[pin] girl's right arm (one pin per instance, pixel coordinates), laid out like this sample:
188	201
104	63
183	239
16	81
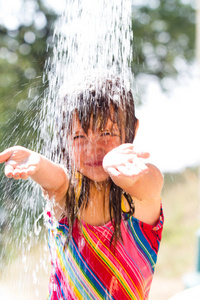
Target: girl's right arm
21	163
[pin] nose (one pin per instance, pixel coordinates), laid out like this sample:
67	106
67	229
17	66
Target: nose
92	139
93	147
92	136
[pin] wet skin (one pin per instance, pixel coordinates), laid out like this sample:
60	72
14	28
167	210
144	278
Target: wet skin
88	150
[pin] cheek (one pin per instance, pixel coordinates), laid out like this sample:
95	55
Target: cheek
74	156
112	145
78	159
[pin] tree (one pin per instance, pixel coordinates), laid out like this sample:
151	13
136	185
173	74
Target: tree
23	52
164	38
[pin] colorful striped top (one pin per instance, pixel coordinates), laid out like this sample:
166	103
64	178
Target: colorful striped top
89	268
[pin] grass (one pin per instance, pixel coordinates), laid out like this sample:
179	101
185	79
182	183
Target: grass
181	205
178	250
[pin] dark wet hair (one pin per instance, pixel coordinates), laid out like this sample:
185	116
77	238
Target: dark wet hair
103	98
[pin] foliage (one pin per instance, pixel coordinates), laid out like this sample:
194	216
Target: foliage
164	38
23	53
22	57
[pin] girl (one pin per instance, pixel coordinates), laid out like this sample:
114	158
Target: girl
107	203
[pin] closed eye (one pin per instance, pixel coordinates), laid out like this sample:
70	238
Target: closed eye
106	133
78	137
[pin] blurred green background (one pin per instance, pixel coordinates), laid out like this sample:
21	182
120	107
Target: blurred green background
163	35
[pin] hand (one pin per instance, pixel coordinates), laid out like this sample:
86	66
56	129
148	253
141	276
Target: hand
125	164
20	163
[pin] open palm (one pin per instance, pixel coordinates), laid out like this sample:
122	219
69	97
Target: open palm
20	162
125	164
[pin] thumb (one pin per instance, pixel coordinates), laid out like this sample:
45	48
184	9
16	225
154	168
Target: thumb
5	155
142	154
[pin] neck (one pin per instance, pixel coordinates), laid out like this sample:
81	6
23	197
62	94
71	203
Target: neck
97	211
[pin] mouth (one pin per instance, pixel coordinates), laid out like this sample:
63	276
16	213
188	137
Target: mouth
94	164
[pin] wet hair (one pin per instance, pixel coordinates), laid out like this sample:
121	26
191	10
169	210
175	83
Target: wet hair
102	98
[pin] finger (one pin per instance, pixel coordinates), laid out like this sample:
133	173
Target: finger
22	167
126	146
31	170
143	154
17	173
9	170
12	163
113	172
5	155
139	162
130	172
24	176
20	174
118	159
143	167
16	176
139	165
129	148
128	152
138	153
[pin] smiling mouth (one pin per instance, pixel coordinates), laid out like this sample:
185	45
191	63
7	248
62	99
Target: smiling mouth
94	164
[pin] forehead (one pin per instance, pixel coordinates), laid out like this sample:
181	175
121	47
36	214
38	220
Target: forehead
76	124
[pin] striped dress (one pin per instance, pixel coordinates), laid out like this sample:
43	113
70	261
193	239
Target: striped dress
89	268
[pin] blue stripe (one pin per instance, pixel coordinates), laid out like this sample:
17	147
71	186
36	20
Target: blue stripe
146	249
60	288
86	271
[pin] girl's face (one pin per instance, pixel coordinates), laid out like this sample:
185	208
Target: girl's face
88	150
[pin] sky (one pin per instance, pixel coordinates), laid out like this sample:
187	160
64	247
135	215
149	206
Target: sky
169	123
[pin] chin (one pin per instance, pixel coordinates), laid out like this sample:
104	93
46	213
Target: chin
100	179
96	176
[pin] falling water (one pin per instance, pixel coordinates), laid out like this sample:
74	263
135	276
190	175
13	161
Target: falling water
90	37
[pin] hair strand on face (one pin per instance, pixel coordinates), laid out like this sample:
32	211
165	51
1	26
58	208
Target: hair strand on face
97	101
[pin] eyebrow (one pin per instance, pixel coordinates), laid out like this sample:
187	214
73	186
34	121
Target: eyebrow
78	132
110	128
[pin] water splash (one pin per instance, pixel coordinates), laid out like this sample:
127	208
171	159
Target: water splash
89	36
37	226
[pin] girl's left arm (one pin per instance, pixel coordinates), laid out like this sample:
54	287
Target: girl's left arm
142	181
146	194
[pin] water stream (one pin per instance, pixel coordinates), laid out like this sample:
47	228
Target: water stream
90	36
